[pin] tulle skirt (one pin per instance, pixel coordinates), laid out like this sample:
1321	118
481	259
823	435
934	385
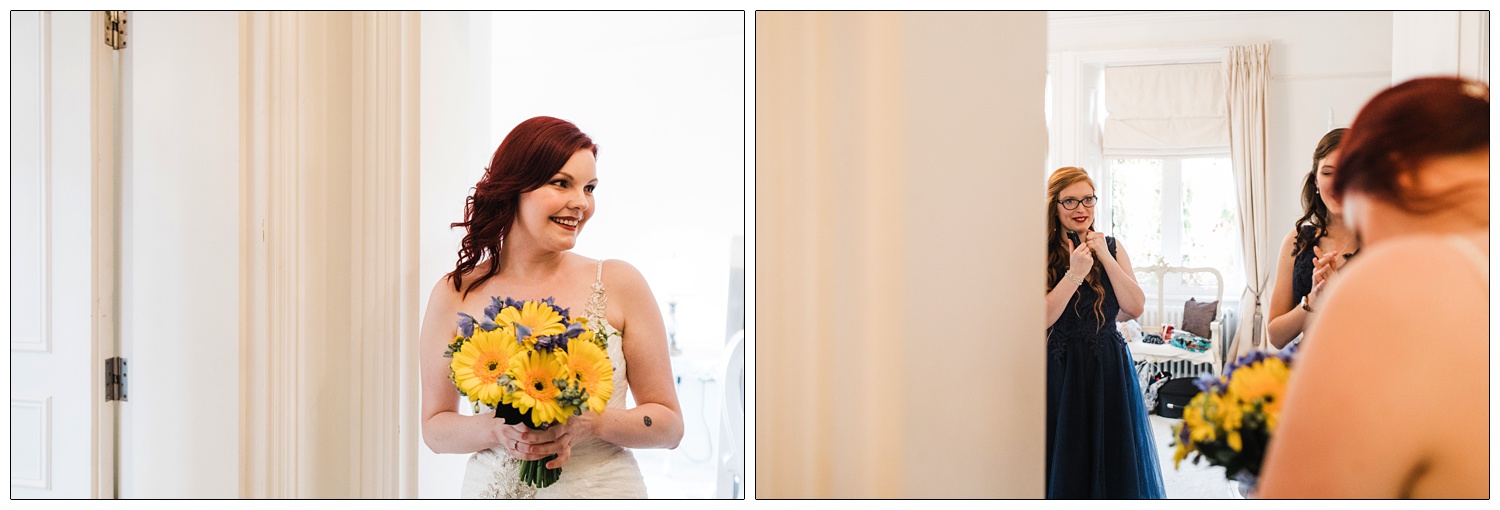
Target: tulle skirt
1099	441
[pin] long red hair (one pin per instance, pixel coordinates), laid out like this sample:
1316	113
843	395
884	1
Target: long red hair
1057	250
530	155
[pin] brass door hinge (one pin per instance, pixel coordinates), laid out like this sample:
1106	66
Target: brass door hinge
114	29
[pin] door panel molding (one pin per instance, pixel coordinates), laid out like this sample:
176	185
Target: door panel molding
34	159
31	442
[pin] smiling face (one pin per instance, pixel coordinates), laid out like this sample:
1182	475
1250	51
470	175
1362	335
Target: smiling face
553	215
1327	168
1081	217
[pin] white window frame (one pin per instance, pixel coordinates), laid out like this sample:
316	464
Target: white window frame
1171	209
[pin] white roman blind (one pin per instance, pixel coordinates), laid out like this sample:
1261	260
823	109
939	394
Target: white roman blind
1165	109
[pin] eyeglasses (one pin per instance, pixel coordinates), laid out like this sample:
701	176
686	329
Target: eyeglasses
1072	203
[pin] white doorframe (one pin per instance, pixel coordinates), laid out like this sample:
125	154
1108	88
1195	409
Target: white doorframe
105	255
328	243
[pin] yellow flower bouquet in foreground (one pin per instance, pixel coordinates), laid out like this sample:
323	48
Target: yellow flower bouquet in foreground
531	363
1231	420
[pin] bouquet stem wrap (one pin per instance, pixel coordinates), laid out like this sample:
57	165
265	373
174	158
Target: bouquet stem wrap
533	472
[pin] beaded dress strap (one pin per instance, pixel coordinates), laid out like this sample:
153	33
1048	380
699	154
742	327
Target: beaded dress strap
597	300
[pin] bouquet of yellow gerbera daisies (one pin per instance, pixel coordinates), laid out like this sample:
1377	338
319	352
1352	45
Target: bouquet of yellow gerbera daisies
531	363
1230	421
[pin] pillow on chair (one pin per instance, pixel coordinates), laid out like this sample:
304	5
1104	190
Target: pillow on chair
1196	315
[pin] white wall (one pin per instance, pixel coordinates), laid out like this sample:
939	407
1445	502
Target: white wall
1324	67
180	256
455	147
1428	43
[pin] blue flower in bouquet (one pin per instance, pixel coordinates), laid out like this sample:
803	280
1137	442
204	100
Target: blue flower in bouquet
494	308
1208	382
1287	354
465	325
560	341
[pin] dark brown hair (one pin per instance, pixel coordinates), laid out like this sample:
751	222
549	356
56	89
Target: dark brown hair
530	155
1314	211
1405	125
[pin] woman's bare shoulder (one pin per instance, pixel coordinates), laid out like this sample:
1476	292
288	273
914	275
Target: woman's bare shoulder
444	296
1409	260
1403	285
1289	243
620	274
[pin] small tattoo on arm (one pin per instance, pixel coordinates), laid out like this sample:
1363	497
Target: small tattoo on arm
648	421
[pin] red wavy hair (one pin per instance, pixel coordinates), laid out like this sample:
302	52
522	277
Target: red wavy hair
530	155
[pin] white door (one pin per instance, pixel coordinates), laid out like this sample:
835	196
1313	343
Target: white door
55	371
178	265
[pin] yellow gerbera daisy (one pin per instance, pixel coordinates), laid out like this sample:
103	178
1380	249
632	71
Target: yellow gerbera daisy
1227	411
532	319
535	375
1183	447
1199	429
478	365
588	332
1264	380
590	365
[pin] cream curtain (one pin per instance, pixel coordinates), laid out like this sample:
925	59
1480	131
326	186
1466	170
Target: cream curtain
1246	76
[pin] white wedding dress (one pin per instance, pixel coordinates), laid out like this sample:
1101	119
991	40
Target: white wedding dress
597	470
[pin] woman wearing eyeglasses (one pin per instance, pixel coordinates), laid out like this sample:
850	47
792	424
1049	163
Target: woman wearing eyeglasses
1099	441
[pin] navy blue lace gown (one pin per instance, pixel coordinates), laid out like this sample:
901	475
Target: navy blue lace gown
1099	441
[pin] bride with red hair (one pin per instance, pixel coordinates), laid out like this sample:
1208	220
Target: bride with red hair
1391	397
521	224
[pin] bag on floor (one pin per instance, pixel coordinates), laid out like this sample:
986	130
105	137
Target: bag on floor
1173	396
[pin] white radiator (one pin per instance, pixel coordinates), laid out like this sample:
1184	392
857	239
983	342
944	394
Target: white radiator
1176	368
1151	321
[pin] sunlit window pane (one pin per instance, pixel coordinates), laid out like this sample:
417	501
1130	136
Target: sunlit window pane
1210	232
1135	206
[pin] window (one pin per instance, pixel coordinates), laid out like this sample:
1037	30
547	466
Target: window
1179	210
1151	128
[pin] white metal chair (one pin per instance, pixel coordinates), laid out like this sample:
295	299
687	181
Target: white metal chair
1158	315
